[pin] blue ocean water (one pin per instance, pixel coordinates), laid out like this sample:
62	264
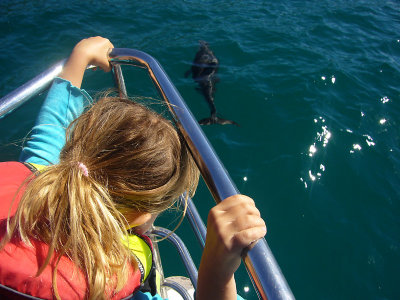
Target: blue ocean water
314	86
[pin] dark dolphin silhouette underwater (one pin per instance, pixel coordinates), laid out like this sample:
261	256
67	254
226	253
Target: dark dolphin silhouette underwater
204	69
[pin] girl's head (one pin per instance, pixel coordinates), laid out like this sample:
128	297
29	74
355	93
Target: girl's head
135	153
137	165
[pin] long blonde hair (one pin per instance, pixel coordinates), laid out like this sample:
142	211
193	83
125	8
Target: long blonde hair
136	161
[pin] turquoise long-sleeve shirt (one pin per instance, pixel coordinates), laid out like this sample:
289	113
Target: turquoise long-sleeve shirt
63	104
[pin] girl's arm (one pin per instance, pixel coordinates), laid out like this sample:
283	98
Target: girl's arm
64	102
91	51
232	225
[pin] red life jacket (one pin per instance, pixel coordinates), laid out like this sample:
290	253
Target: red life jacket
19	263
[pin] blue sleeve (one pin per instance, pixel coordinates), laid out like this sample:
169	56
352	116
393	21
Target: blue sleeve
147	296
63	104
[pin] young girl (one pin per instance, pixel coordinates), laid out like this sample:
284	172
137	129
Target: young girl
86	177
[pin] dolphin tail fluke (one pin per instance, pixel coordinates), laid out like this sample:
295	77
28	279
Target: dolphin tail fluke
225	122
217	120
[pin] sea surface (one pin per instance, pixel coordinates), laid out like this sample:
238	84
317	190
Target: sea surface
315	87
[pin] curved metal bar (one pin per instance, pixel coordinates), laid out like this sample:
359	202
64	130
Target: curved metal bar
178	288
119	81
259	260
33	87
184	253
196	222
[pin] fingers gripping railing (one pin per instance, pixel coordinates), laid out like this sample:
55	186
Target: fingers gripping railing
259	260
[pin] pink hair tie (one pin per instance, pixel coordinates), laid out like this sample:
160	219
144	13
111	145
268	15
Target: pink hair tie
83	168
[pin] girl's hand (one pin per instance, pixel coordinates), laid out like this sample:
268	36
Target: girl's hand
94	51
91	51
232	225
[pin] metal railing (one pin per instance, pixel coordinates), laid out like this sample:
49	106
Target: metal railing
179	245
26	91
178	288
259	260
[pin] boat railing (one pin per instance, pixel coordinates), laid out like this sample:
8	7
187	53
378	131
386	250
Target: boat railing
260	263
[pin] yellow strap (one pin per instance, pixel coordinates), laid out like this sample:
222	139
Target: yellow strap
158	281
38	167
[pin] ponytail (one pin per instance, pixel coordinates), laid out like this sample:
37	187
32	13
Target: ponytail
74	215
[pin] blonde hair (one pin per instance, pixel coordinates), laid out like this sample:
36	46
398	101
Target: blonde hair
136	161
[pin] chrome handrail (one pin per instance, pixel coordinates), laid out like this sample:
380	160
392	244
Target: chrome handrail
178	288
180	246
119	81
259	260
26	91
196	222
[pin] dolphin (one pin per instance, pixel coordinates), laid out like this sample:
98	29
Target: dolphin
204	69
